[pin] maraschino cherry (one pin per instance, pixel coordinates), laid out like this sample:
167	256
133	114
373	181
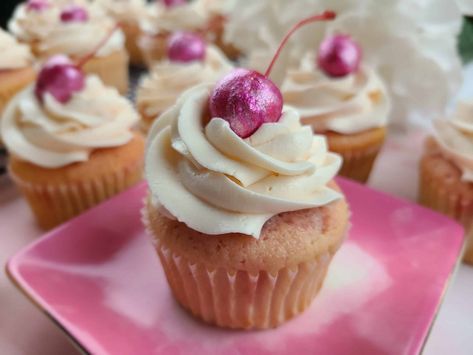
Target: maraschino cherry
74	13
173	3
62	78
339	55
37	5
186	47
246	99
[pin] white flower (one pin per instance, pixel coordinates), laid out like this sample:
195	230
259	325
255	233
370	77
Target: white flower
411	43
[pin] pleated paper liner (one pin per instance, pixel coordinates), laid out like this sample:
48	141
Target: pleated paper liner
237	298
153	47
112	69
359	151
441	189
56	200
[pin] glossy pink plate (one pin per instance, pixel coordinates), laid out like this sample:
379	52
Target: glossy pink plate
100	280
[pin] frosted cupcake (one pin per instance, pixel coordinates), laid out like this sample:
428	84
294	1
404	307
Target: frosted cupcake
71	142
75	30
446	170
128	14
242	205
16	68
346	102
169	16
184	68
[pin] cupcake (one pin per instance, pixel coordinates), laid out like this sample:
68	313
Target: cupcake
16	68
346	102
170	77
446	170
242	205
71	142
74	29
128	14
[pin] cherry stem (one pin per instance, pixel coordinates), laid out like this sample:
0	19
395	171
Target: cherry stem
89	56
325	16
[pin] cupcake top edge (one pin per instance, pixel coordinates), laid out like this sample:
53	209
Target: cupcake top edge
203	174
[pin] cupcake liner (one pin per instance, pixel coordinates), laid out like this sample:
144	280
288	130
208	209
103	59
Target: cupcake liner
359	151
357	165
441	196
53	204
112	70
238	298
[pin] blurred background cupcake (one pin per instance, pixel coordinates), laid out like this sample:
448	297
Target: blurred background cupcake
71	142
206	18
342	99
446	170
74	28
128	14
190	61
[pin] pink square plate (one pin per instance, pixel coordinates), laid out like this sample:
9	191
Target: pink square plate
100	280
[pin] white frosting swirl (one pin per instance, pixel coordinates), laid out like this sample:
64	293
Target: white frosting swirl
81	38
168	80
161	19
125	11
455	138
53	135
14	55
29	26
215	182
346	105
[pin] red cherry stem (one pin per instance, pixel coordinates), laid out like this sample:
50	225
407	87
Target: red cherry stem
89	56
324	16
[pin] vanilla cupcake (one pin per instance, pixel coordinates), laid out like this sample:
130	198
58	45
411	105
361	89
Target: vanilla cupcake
446	171
16	68
71	145
351	110
75	29
168	79
128	14
163	20
245	228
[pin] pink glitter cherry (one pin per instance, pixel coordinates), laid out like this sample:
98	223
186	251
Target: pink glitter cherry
37	5
246	99
339	55
74	13
60	78
172	3
186	47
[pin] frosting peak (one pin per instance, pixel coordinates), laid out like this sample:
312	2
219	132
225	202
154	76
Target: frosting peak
53	135
346	105
201	173
455	138
14	55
